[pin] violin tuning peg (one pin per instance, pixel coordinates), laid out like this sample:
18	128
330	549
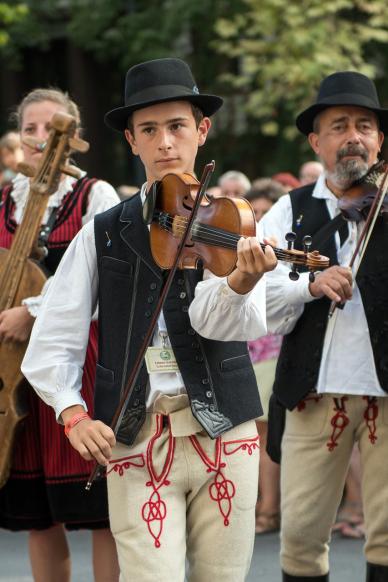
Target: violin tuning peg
26	169
71	171
79	145
34	143
311	276
293	274
307	242
290	238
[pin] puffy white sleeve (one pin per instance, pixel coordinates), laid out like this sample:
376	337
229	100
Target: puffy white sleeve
53	363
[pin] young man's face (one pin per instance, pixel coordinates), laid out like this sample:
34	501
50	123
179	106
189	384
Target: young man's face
166	138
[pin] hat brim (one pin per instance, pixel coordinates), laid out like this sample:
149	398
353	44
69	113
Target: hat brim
118	118
305	120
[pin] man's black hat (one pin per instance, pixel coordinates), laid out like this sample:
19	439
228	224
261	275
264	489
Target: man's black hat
159	81
345	88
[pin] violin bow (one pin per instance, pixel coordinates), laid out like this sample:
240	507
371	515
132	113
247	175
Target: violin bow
132	379
365	233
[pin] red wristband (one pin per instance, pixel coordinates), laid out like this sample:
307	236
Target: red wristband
75	420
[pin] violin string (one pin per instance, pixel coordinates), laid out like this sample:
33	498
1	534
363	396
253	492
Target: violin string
231	242
298	260
216	236
228	240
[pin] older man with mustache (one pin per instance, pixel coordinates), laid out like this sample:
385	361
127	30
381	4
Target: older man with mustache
332	374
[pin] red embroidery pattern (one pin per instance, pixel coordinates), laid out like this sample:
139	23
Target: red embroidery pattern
231	447
302	404
222	490
154	511
370	414
339	422
124	463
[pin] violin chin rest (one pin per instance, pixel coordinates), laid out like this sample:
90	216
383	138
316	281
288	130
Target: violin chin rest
149	204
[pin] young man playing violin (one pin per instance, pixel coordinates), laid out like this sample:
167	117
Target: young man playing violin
332	373
182	470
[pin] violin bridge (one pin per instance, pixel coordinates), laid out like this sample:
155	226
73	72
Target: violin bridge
179	224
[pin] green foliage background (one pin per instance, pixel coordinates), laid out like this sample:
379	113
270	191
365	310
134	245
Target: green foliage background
266	57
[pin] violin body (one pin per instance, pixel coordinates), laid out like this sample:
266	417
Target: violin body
358	199
12	383
224	215
214	234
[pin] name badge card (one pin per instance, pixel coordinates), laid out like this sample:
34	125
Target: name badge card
161	359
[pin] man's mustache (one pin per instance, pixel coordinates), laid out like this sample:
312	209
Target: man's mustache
352	150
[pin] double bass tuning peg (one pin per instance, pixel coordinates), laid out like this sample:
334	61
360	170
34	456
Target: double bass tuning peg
33	143
72	171
26	169
78	145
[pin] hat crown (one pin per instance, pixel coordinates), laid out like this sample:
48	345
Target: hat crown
348	82
158	72
343	89
160	81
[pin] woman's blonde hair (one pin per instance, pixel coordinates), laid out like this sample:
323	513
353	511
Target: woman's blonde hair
54	95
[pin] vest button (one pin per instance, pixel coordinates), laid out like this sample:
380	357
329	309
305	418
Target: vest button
205	380
209	394
182	295
153	286
148	313
137	388
212	407
199	358
181	281
136	402
191	331
150	299
185	308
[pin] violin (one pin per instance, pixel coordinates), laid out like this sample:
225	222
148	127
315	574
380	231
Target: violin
358	199
219	224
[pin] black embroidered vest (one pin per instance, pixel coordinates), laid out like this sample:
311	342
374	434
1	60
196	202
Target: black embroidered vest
218	376
301	353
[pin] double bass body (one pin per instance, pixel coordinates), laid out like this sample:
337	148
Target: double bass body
12	383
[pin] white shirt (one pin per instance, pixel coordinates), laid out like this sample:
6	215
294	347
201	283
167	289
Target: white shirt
347	364
56	352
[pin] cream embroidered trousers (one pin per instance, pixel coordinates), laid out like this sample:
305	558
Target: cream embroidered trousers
313	477
178	494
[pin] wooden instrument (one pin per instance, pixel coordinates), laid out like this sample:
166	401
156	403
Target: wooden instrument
22	277
220	223
366	200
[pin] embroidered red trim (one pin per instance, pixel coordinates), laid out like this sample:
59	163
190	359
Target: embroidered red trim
222	490
124	463
154	511
370	415
339	422
302	404
231	447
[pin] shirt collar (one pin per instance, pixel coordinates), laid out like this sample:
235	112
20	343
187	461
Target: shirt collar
21	188
322	191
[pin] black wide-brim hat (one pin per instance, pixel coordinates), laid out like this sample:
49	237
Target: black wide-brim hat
344	88
156	82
